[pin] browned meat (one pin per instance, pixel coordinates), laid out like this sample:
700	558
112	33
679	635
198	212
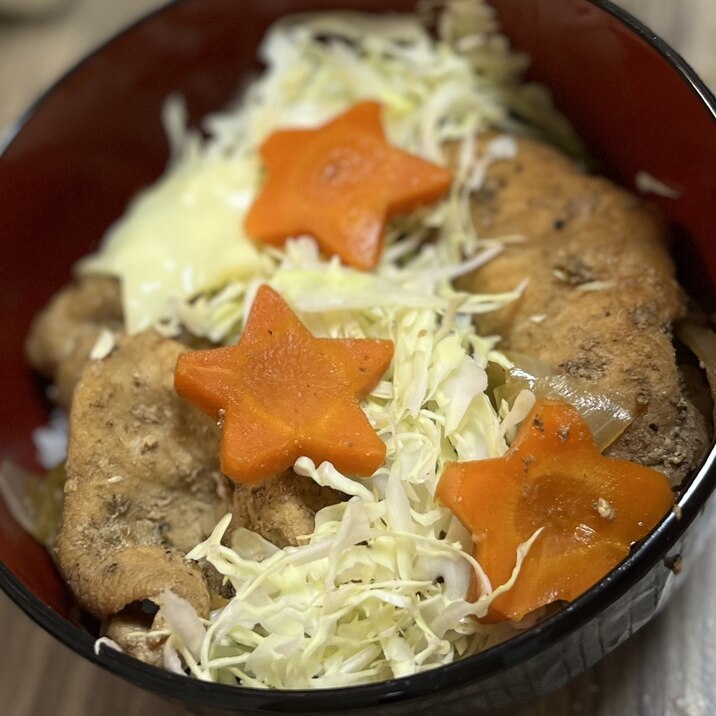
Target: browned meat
584	233
283	508
62	336
130	629
143	484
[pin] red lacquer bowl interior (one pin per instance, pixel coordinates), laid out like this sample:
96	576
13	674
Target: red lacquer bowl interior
71	165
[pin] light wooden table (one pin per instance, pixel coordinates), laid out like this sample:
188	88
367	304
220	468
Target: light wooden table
668	669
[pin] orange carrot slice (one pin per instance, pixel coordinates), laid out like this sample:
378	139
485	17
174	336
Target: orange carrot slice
282	393
340	183
591	509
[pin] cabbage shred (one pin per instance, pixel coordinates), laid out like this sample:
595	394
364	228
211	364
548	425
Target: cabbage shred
379	589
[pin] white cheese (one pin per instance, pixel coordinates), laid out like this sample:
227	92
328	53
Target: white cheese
181	237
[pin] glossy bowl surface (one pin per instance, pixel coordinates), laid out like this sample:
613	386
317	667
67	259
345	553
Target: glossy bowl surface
69	167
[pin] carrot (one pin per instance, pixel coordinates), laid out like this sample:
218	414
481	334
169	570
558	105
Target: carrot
340	183
281	393
590	508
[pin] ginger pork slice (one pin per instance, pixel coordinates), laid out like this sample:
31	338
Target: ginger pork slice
283	508
601	296
143	483
64	333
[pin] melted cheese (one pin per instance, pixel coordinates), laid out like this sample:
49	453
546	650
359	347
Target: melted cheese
180	237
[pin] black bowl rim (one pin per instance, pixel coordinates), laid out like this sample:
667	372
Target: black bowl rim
516	650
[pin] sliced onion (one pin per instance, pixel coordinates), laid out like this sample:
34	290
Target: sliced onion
529	365
34	501
607	414
701	341
13	488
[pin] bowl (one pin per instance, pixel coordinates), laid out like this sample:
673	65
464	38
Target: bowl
69	167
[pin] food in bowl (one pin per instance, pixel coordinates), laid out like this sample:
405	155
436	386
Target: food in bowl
379	587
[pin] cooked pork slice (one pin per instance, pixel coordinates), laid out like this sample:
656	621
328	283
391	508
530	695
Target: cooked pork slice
282	509
143	484
131	629
64	333
601	298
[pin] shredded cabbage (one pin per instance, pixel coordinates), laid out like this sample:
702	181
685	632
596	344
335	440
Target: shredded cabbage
379	589
183	621
357	602
182	238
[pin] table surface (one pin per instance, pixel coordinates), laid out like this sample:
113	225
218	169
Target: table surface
668	669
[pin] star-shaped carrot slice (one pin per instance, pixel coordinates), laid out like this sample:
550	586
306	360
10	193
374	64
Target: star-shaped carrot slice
590	508
340	183
282	393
